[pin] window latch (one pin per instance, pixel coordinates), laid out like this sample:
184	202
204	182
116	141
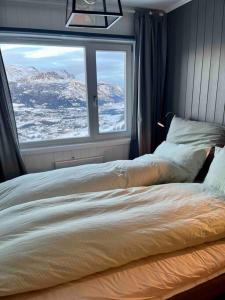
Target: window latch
95	100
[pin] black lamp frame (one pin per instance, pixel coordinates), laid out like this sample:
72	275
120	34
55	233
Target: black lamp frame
164	122
104	14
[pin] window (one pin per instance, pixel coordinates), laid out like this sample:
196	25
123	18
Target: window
111	75
48	88
69	92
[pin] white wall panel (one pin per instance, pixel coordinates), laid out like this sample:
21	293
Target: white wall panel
38	160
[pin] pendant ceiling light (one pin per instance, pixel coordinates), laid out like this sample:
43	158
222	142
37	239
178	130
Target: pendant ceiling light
93	13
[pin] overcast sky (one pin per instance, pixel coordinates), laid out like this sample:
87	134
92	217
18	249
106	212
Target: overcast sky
110	65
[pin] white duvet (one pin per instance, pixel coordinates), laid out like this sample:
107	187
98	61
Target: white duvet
144	171
51	241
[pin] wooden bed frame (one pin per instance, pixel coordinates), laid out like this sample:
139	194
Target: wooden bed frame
211	290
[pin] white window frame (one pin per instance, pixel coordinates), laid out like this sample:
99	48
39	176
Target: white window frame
91	46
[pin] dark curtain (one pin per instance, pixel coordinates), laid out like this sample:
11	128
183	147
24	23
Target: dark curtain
11	164
150	72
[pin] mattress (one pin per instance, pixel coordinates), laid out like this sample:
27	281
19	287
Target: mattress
157	277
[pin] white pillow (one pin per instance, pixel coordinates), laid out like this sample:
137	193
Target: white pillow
195	133
216	175
217	150
150	169
188	157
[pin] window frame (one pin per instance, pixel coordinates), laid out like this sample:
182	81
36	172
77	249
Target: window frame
90	46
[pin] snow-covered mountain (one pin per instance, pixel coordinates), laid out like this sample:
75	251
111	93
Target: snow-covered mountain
32	86
51	104
20	73
16	73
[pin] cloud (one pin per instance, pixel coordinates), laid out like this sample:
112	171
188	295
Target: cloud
51	51
6	47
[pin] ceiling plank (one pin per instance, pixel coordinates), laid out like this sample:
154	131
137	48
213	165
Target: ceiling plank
176	5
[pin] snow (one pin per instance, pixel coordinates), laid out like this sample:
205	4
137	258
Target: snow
53	105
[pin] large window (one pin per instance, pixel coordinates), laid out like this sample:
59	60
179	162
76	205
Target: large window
80	92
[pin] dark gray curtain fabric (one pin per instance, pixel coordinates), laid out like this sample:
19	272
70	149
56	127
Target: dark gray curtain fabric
11	164
150	72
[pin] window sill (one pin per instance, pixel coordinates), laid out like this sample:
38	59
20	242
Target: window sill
69	147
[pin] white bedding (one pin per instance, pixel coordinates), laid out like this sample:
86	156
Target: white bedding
51	241
153	278
144	171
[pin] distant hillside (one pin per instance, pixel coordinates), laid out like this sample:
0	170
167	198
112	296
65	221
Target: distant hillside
54	88
52	104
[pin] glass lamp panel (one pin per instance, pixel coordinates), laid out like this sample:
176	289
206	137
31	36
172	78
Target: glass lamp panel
85	20
90	5
112	20
69	8
92	13
112	6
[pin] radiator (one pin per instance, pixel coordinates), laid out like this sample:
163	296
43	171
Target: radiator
78	162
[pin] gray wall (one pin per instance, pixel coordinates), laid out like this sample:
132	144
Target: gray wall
50	15
196	61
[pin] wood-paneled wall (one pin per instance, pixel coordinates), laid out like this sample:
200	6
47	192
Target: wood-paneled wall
196	61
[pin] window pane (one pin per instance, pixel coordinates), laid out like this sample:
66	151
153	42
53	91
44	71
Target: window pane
111	66
48	88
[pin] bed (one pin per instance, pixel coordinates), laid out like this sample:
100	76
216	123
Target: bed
180	276
169	163
154	242
163	227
